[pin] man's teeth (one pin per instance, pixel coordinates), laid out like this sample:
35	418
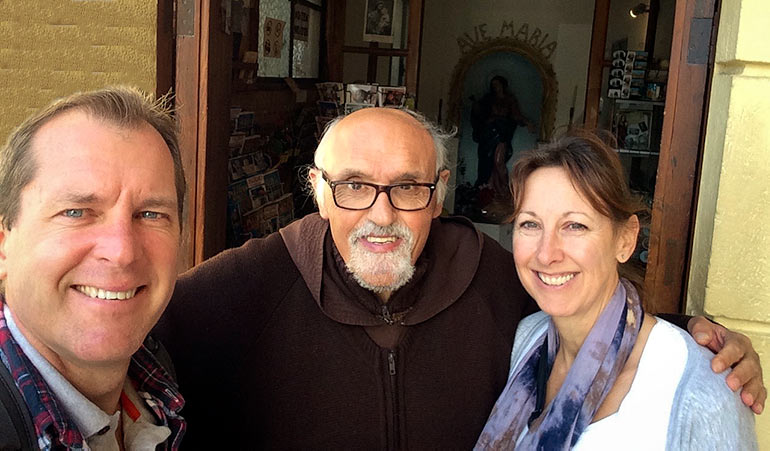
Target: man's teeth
381	239
555	281
105	294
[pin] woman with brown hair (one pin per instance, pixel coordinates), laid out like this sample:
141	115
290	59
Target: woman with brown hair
592	370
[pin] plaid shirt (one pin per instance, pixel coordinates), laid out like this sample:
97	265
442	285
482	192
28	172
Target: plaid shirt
55	429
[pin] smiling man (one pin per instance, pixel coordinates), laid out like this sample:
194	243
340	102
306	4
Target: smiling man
93	190
371	325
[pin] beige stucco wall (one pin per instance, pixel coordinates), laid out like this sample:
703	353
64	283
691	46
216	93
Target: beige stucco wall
730	273
50	48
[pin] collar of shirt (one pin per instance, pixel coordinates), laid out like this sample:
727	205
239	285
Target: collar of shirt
89	418
154	387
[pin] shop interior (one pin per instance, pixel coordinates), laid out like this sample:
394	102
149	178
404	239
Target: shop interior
267	75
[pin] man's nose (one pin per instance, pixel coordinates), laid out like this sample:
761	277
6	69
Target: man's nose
117	241
382	212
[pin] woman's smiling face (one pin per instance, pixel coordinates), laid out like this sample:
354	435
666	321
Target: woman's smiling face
566	252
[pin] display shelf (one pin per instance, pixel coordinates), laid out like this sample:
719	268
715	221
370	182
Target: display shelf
637	152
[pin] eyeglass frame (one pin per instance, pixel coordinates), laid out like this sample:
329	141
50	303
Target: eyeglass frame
380	189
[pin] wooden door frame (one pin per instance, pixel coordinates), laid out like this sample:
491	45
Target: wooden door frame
201	55
187	104
681	150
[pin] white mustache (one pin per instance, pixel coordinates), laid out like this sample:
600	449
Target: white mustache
370	228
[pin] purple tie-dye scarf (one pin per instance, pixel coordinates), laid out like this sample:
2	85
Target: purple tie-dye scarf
597	365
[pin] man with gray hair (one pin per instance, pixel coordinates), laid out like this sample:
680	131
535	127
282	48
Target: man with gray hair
373	324
92	194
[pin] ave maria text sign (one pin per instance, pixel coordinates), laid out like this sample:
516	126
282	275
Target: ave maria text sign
531	35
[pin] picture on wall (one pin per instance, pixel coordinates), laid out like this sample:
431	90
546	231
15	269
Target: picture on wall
378	23
392	96
632	128
331	92
273	41
362	94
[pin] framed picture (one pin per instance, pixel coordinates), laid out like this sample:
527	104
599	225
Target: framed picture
238	195
378	23
241	166
392	96
632	128
244	122
362	94
331	92
235	145
258	196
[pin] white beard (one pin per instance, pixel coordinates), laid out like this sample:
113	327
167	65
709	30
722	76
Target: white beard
395	267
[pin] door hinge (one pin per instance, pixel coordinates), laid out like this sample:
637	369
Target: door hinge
700	41
185	18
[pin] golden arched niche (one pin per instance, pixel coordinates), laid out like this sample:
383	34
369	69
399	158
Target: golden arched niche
507	45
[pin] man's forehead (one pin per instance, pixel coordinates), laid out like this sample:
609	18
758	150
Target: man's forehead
73	122
376	132
85	142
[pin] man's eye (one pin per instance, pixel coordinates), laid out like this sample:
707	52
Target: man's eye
73	213
355	186
405	187
150	215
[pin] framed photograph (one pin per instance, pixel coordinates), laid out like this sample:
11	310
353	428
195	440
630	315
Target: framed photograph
366	94
252	223
244	122
235	145
241	166
378	23
392	96
270	221
273	185
331	92
632	128
258	196
238	195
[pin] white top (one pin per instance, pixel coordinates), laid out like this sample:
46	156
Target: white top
675	401
648	401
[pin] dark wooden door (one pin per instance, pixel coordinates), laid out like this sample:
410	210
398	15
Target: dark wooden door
673	211
202	100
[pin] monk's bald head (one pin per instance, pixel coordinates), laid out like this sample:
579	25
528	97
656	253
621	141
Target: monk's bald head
353	131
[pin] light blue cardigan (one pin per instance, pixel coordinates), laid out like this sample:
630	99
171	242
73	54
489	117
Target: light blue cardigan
705	415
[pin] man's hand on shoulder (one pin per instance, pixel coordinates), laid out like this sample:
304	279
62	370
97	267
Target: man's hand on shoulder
733	350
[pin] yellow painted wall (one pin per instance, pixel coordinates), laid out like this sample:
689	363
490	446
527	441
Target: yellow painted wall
730	273
51	48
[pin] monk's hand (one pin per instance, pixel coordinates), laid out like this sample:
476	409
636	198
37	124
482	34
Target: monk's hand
733	350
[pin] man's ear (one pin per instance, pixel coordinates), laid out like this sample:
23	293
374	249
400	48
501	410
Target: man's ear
626	243
444	178
315	180
3	241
